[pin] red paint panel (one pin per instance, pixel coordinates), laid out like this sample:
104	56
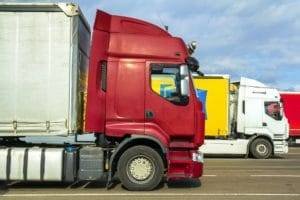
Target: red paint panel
121	129
199	123
291	105
125	97
102	21
157	132
181	165
126	25
129	46
95	108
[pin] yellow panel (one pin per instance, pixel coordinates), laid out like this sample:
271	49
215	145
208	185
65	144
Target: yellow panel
167	81
217	103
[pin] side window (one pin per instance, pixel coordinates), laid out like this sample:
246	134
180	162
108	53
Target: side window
273	110
165	81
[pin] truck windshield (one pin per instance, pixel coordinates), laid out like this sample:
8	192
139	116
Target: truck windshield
273	109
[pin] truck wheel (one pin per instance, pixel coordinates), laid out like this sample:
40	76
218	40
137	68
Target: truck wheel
261	148
140	168
291	141
2	185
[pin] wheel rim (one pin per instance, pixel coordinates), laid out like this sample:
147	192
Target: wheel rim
262	149
140	169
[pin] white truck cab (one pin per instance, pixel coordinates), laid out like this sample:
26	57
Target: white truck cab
258	126
260	113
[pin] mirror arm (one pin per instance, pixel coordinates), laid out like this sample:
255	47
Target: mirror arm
200	73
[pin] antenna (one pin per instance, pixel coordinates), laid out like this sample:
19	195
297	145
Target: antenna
76	2
166	27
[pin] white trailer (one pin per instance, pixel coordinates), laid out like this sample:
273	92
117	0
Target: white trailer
44	59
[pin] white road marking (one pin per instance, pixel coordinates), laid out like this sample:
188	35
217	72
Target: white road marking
254	167
294	153
276	175
214	160
256	175
148	194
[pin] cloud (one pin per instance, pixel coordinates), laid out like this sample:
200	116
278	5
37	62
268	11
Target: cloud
297	88
257	39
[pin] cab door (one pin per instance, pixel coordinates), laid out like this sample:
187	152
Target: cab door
273	117
253	112
165	108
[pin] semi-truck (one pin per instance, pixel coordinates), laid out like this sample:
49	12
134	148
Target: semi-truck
242	118
291	106
73	110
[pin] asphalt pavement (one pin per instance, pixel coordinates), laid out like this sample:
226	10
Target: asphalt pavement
224	178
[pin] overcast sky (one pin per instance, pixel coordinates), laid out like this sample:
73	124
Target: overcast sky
258	39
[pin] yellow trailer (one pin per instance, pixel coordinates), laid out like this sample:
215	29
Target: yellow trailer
217	103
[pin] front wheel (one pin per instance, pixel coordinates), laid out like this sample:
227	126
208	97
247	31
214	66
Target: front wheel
140	168
261	148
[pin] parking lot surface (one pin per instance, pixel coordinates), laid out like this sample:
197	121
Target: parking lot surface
224	178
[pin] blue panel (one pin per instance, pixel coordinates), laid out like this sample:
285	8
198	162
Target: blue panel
201	95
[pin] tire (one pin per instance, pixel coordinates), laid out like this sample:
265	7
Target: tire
261	148
291	141
140	168
2	185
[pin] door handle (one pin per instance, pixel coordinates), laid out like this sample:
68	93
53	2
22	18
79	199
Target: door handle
264	124
149	114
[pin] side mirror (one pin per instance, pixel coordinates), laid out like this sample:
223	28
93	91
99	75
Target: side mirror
184	80
184	70
185	87
281	110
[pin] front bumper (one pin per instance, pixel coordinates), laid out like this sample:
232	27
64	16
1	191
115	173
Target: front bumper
185	164
281	147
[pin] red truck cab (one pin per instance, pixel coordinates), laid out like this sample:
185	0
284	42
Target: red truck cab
291	106
152	133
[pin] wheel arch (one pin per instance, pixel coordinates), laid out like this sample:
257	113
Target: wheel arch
135	140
